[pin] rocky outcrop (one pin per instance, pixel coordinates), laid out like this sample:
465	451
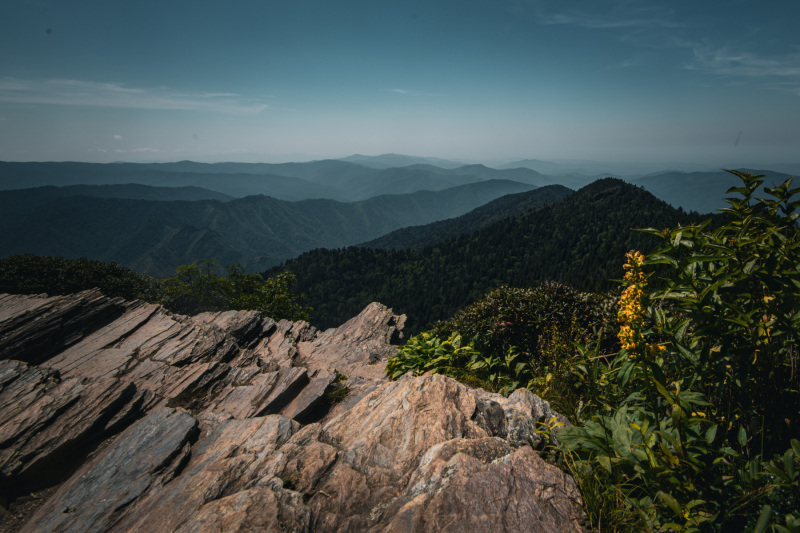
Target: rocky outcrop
141	420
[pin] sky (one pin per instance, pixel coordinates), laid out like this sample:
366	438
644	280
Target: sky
708	82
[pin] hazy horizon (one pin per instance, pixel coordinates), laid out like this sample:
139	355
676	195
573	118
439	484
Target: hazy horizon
715	84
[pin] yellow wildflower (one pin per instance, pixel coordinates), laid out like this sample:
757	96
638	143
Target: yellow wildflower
631	307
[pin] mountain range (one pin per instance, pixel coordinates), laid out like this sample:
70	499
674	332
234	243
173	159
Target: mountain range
332	179
155	237
399	160
154	217
690	186
702	192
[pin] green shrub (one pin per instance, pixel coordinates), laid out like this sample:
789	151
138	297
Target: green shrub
197	288
520	338
525	318
33	274
427	353
697	426
193	289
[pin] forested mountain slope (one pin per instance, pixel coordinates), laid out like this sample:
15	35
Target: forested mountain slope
154	237
511	205
581	240
28	198
521	174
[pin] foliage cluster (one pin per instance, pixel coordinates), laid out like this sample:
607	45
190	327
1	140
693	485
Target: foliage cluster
697	427
427	353
525	318
198	288
517	338
33	274
193	289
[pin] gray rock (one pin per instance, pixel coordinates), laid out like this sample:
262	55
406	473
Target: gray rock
46	422
96	497
34	329
218	445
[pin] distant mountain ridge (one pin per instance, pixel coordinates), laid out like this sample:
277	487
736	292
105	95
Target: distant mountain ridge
702	192
360	177
399	160
183	174
133	191
508	206
332	179
154	237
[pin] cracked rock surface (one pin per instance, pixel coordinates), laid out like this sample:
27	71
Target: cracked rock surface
120	416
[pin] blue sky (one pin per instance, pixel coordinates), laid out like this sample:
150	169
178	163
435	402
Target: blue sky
710	82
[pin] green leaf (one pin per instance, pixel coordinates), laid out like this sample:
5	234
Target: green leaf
796	447
698	258
657	259
605	462
663	391
742	438
671	502
625	372
677	415
621	440
763	519
711	433
729	451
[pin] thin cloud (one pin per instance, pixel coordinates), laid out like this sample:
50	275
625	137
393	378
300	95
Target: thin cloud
600	22
219	95
628	63
118	137
792	87
775	72
134	151
102	94
406	91
35	3
724	62
620	15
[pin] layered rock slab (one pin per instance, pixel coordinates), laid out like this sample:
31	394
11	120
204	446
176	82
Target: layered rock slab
214	447
407	457
95	497
47	423
105	362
